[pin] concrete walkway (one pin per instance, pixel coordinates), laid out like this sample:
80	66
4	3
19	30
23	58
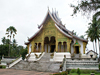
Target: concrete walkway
21	72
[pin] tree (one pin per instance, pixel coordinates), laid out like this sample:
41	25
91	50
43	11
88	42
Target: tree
3	40
82	36
14	42
10	31
93	31
78	71
4	50
86	6
75	33
23	53
7	41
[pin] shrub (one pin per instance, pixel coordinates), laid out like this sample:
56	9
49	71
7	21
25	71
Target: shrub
24	52
88	71
73	71
2	66
99	66
78	71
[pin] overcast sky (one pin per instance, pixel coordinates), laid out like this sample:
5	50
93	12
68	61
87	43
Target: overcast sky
26	15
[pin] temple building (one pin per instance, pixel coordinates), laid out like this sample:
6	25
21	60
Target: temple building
54	37
54	49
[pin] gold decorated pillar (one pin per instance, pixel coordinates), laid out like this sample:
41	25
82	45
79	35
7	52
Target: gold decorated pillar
28	47
56	46
68	45
56	41
84	46
42	46
32	50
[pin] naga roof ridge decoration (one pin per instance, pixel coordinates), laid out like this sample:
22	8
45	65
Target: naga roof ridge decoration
58	25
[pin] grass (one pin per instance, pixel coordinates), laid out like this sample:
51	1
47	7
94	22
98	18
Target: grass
81	74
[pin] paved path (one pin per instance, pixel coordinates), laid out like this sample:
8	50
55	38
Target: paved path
21	72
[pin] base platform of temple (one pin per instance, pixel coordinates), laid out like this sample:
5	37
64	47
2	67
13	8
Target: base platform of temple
46	63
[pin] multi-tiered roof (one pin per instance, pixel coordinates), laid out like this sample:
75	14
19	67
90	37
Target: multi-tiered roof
58	25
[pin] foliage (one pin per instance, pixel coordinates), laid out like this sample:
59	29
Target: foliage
78	71
73	71
86	6
99	66
4	50
88	71
5	41
11	47
82	36
93	31
83	71
24	52
10	31
2	66
83	74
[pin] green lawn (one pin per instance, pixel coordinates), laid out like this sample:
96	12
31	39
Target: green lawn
81	74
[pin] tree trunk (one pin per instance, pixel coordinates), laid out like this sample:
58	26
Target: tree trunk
9	50
96	46
93	46
9	47
99	47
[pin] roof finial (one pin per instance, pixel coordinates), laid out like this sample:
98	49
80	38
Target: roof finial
48	8
52	10
55	9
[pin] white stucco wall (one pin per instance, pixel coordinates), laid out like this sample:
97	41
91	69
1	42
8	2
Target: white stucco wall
30	48
91	53
81	47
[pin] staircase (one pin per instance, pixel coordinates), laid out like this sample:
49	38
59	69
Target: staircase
43	64
45	58
76	56
82	64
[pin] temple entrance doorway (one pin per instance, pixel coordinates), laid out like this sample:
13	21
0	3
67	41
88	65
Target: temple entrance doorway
52	48
49	44
77	49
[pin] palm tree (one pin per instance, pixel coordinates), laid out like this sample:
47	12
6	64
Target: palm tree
14	42
3	40
89	34
82	36
10	31
7	41
93	31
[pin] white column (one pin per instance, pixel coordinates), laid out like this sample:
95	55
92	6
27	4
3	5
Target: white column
48	48
30	48
37	46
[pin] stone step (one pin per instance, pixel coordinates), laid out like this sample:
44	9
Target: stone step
43	64
45	58
38	66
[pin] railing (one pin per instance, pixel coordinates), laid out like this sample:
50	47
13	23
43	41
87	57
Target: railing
27	57
41	56
15	62
64	64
